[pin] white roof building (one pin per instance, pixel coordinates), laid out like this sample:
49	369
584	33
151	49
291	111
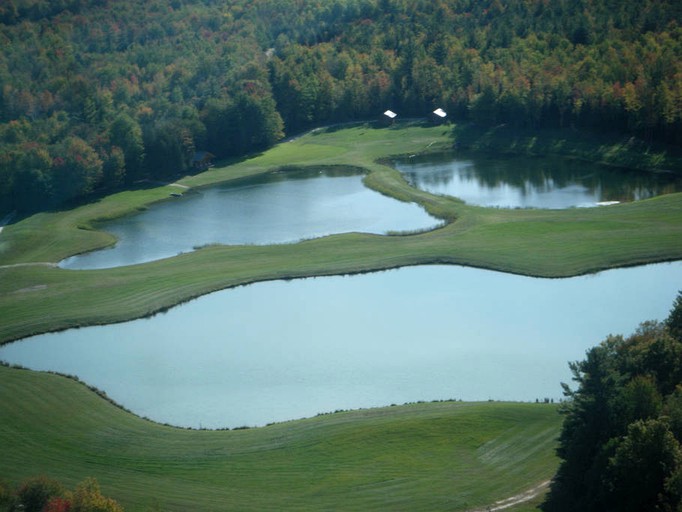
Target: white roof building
439	112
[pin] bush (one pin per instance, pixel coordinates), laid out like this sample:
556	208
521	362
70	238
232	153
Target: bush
88	498
6	496
36	492
42	494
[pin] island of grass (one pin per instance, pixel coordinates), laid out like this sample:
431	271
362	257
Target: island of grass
36	297
436	456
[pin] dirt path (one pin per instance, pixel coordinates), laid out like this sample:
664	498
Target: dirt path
515	500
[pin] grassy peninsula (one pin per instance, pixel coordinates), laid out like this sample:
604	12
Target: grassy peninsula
450	455
36	297
98	96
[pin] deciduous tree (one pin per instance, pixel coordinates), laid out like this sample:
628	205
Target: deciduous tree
36	492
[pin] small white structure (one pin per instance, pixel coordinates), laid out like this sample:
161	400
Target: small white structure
439	116
389	116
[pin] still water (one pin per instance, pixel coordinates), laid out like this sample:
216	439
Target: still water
518	182
279	350
277	208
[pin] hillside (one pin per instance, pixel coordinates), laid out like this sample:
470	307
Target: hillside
98	94
436	456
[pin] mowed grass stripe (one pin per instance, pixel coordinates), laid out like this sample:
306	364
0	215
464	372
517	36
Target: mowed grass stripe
37	299
416	457
421	457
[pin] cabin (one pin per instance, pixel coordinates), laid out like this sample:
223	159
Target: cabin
202	160
388	117
439	116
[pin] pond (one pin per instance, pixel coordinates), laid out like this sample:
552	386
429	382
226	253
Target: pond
542	182
279	350
277	208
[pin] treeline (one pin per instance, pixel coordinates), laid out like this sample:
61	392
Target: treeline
536	63
98	94
621	438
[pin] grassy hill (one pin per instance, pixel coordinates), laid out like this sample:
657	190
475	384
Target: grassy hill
434	456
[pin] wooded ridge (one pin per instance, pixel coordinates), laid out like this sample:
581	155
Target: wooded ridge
96	94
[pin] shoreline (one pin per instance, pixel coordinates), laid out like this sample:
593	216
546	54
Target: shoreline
188	468
541	243
104	396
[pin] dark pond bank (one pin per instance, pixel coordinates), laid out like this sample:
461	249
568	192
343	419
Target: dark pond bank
541	182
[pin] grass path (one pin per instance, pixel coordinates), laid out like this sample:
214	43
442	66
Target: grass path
433	456
517	499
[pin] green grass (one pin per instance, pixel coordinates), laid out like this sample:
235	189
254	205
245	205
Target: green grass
551	243
450	456
433	456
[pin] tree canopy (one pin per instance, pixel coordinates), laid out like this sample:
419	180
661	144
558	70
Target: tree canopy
108	93
620	441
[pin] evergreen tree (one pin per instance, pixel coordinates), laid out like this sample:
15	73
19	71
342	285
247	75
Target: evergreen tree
620	441
674	321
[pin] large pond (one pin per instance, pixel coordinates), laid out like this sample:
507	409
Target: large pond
280	350
276	208
519	182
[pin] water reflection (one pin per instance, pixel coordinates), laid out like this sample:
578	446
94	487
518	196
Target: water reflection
516	182
277	208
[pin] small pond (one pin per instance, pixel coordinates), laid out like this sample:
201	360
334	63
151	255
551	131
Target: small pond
279	350
277	208
520	182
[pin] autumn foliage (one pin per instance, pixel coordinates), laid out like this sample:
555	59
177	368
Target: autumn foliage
43	494
97	94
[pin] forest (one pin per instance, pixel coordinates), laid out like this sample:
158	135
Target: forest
620	441
96	95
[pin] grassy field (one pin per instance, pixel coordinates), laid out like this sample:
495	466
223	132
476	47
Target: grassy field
35	297
434	456
453	456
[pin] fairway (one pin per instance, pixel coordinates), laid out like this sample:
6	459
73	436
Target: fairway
36	297
432	456
291	255
435	456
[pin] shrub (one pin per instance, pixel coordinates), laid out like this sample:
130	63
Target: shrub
88	498
58	504
36	492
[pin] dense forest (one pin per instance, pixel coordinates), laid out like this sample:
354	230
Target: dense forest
620	441
99	94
